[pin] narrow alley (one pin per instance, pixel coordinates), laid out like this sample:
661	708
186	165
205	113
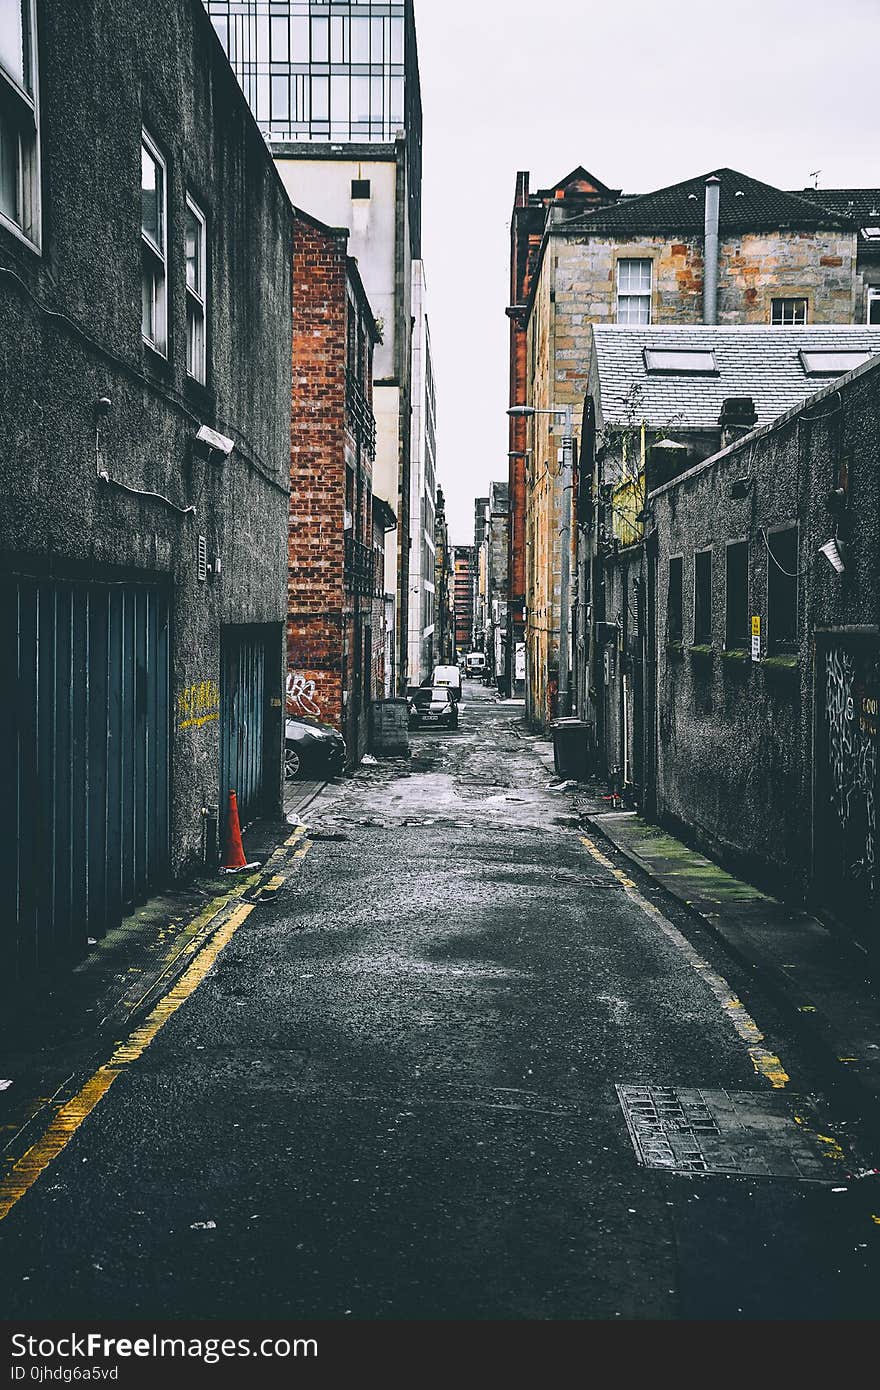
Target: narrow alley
426	1076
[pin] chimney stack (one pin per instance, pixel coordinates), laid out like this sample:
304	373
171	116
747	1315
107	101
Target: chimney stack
738	416
710	250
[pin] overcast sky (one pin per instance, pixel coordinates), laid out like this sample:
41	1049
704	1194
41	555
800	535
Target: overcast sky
641	95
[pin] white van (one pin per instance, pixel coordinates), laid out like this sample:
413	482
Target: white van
450	677
475	664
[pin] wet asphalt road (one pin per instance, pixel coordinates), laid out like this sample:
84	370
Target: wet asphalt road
393	1096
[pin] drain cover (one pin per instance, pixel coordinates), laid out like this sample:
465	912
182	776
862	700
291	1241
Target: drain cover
697	1131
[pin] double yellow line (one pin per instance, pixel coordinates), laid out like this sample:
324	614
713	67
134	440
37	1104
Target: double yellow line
32	1164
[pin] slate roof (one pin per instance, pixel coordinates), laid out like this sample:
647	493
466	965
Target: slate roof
862	204
745	204
761	362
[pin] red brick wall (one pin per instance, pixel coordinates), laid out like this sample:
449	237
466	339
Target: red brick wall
317	467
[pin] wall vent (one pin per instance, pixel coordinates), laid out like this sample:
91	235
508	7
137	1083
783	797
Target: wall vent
203	558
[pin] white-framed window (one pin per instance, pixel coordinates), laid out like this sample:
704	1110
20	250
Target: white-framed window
154	246
634	291
196	292
19	120
872	304
787	312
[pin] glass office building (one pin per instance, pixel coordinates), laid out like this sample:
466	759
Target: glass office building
323	70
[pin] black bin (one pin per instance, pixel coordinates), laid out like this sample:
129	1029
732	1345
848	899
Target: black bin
572	751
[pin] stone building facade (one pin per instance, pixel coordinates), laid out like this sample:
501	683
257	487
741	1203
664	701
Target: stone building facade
335	621
497	559
659	401
480	577
587	255
531	208
463	563
764	559
145	299
348	148
443	584
423	483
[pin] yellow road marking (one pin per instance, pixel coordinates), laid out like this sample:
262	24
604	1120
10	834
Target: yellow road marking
34	1162
766	1063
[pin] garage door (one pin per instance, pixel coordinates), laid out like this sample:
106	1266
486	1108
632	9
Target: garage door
87	698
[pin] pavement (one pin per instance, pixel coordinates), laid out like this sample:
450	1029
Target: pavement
51	1034
819	978
822	982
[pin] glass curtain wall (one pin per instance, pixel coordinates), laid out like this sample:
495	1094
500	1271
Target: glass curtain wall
323	70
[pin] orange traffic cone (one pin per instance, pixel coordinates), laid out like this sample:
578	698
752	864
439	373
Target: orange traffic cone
234	860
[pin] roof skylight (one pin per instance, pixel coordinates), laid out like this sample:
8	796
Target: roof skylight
681	361
830	363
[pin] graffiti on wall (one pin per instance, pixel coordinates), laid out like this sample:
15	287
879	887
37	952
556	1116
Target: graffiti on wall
198	704
851	704
300	694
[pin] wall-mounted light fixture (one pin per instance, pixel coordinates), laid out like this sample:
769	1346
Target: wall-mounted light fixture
215	441
831	551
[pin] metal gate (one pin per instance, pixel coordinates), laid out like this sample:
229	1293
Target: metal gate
846	781
88	773
243	739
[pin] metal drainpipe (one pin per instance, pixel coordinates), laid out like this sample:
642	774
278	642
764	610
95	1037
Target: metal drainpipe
710	251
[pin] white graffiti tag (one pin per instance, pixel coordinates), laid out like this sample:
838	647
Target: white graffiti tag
852	764
301	696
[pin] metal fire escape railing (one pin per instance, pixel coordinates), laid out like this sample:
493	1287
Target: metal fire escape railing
360	416
360	566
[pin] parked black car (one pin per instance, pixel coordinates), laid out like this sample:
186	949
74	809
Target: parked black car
312	748
433	704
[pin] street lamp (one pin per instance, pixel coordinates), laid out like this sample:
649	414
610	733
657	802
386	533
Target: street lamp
526	411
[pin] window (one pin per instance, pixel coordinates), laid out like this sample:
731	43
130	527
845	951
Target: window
785	312
703	598
360	188
737	595
674	626
782	586
19	126
154	240
196	294
351	342
633	291
872	304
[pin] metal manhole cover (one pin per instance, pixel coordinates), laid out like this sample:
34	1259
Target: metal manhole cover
689	1130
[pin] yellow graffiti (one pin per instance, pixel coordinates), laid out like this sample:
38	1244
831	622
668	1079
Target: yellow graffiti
833	1148
198	704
